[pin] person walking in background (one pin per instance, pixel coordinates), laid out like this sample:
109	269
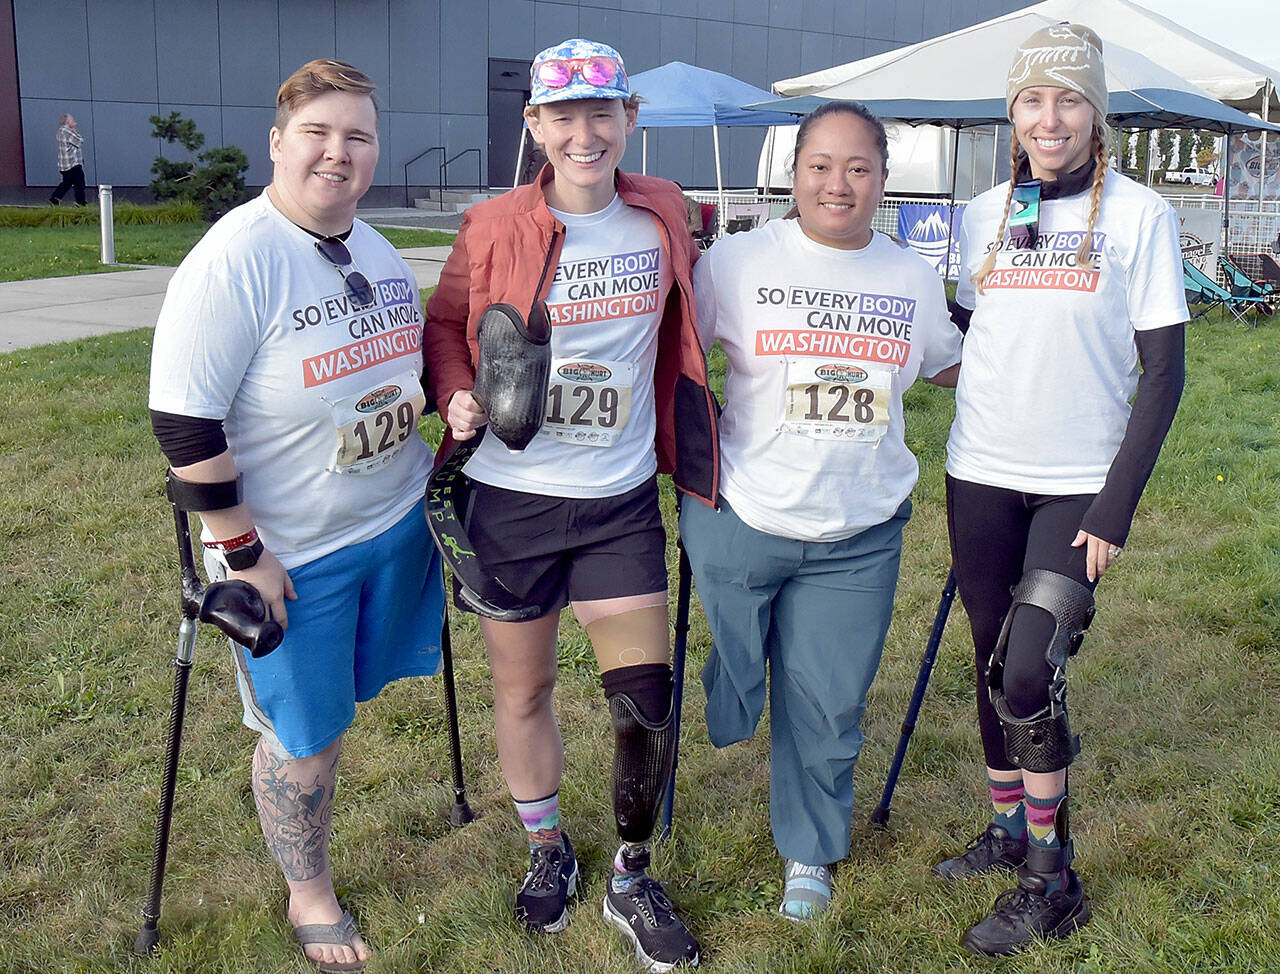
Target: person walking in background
798	566
1071	276
70	160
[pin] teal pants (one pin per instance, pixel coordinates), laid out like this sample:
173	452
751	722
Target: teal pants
812	616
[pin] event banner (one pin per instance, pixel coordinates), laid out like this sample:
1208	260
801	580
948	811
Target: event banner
1198	231
925	229
1248	176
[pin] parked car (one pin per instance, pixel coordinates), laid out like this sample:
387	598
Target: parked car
1192	176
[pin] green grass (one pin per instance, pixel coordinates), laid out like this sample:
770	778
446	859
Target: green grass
1176	693
28	252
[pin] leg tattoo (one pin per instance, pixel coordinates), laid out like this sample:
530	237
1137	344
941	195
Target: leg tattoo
295	807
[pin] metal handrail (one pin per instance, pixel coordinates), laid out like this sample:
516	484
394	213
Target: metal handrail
444	168
439	187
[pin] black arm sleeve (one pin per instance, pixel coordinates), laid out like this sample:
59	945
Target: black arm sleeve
188	439
1162	354
960	315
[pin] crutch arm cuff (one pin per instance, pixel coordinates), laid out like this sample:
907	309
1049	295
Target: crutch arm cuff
188	495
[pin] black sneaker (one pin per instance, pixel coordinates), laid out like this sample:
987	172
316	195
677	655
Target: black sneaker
648	920
542	903
1024	914
993	850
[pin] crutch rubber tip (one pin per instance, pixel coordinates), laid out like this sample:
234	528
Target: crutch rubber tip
460	814
880	817
148	938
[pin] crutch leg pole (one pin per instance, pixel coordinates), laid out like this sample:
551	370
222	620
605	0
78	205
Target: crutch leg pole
880	816
677	677
460	814
235	607
149	935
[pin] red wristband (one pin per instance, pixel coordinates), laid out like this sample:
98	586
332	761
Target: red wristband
248	538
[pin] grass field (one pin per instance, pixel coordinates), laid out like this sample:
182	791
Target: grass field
44	251
1176	692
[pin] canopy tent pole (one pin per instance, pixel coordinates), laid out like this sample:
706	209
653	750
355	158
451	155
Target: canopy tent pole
720	215
1226	194
644	151
524	134
951	206
768	163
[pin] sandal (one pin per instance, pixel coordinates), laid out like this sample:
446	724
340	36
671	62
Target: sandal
342	933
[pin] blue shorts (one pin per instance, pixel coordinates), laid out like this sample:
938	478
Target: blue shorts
365	615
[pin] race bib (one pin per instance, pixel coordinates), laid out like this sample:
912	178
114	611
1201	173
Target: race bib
588	402
373	425
838	400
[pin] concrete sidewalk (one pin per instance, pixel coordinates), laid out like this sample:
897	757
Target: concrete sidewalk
59	309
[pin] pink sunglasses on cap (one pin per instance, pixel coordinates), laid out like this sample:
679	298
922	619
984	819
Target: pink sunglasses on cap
597	70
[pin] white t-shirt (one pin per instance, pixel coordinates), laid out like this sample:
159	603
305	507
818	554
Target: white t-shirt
605	306
319	399
1050	363
821	344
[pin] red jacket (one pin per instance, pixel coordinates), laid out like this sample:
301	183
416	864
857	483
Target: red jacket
508	249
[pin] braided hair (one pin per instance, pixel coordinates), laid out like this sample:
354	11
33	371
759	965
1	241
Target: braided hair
1100	148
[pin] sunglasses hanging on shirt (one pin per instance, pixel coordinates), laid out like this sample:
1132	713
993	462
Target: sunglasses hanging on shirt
1024	214
357	285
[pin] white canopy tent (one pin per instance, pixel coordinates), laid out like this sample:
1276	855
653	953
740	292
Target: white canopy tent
1227	76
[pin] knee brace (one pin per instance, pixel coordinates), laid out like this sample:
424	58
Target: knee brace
1043	742
642	756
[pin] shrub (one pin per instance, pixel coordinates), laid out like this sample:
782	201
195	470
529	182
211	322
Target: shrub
125	213
214	179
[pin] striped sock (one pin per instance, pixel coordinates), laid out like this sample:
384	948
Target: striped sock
541	819
1007	800
1042	814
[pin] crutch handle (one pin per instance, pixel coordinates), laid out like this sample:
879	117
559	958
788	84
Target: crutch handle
237	608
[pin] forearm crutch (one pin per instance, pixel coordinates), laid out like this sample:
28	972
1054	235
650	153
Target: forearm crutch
460	814
677	677
881	814
238	610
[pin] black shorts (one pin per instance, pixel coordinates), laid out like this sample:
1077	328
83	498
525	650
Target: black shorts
549	551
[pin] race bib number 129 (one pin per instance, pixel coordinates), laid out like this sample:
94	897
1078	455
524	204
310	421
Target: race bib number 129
373	425
838	400
588	402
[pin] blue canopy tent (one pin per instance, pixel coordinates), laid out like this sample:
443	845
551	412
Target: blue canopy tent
681	95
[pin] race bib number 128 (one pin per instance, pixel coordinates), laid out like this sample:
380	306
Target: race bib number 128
838	400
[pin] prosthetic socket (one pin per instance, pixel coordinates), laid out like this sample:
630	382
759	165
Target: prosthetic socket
642	757
1043	742
513	371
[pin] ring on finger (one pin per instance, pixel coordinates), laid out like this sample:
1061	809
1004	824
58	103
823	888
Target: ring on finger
1113	551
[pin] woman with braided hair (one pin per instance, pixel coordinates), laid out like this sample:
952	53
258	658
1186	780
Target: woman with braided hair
1070	280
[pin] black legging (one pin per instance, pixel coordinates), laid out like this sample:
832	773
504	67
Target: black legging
996	536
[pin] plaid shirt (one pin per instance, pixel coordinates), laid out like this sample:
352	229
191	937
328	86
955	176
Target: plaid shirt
69	143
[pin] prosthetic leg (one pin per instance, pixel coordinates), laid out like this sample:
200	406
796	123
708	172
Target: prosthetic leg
238	610
512	379
1041	743
637	905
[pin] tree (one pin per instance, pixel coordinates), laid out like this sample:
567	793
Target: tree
214	179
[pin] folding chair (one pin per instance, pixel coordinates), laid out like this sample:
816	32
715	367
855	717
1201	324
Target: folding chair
1201	289
1242	284
1270	268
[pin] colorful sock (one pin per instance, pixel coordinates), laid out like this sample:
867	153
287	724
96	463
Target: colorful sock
1042	814
623	875
1010	812
541	819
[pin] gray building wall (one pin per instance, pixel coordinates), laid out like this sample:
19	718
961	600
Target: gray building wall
114	63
